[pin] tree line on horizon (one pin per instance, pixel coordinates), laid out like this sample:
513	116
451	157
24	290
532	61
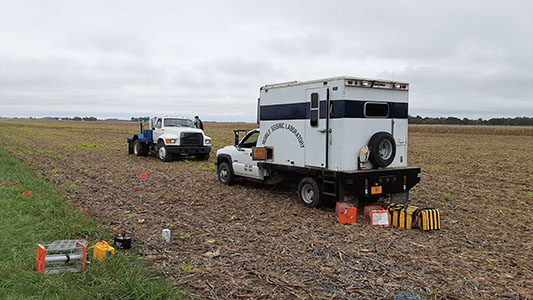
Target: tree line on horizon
517	121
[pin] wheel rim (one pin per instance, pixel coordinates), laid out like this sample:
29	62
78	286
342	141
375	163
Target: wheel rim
162	152
308	193
385	149
136	149
223	174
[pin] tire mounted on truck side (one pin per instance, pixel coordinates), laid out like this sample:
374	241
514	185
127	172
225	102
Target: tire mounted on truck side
382	149
309	192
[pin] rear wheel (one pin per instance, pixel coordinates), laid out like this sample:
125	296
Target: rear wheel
130	148
309	192
139	148
225	175
162	152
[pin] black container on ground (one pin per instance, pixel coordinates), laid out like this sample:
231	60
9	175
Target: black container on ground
123	242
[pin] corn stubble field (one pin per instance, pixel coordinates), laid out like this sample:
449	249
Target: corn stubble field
251	241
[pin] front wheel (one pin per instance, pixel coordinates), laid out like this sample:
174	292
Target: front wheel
225	175
162	153
309	192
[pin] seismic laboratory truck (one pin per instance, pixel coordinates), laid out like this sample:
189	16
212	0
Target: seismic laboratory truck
343	137
169	136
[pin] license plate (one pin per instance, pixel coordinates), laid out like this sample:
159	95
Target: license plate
376	189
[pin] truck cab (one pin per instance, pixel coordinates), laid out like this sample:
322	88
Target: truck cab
239	156
167	137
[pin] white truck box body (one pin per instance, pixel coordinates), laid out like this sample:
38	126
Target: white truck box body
285	123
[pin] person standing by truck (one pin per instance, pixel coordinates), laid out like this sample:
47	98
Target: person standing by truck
198	123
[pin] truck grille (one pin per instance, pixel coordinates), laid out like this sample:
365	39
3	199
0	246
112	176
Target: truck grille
191	139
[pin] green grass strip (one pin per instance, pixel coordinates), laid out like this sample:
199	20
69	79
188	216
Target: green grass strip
43	217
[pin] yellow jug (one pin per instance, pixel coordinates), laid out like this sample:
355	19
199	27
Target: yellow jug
102	250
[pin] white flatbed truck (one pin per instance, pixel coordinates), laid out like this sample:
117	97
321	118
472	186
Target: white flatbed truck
342	137
167	137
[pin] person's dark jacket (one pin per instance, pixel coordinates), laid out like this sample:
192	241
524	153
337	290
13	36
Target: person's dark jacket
199	124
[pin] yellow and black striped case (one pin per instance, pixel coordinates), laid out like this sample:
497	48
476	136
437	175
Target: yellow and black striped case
403	216
429	219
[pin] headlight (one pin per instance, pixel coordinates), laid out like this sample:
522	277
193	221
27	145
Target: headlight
170	141
210	142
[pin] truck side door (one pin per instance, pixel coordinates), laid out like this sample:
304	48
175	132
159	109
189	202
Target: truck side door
243	165
316	130
158	130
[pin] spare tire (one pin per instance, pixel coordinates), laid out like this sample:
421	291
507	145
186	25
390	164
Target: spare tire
382	149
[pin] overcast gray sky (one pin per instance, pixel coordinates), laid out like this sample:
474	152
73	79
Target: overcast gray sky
129	58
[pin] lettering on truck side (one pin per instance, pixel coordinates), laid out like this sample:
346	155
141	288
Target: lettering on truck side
288	127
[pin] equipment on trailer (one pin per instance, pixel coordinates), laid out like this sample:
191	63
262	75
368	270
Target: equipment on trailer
61	256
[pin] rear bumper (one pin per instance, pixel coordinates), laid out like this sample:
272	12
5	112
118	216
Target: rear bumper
374	183
358	183
186	150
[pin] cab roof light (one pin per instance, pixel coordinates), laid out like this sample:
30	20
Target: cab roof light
401	86
352	82
376	84
382	85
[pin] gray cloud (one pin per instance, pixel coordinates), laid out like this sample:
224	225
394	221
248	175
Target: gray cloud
124	58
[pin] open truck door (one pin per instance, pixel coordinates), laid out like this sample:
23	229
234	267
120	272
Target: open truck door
316	130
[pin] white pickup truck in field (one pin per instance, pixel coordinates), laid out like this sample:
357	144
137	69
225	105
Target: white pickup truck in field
343	138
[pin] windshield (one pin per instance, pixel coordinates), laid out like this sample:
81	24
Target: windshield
178	123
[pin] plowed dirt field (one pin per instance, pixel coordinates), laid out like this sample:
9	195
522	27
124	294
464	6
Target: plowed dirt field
251	241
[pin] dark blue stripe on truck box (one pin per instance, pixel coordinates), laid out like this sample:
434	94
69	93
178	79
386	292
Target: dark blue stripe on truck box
340	109
292	111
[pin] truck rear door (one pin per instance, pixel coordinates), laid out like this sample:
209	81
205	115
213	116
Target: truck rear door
316	128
